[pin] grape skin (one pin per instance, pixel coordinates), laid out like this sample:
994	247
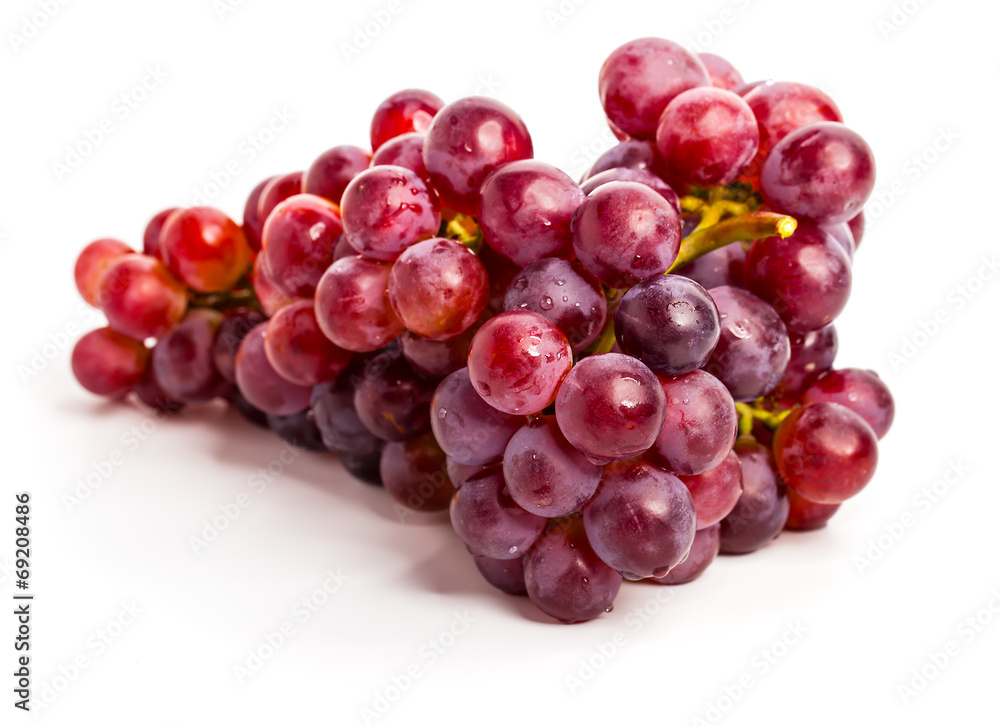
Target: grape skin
486	518
762	509
861	391
337	420
352	304
704	550
415	475
184	359
407	111
260	384
140	298
723	73
716	491
394	403
640	176
468	429
505	575
565	578
204	249
299	237
107	363
297	348
92	263
333	170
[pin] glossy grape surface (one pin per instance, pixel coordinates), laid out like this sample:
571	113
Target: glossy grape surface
640	176
184	359
406	151
297	348
262	386
861	391
140	298
469	430
407	111
723	73
812	355
716	490
394	403
489	521
333	170
700	426
299	237
415	475
338	422
204	249
703	553
151	235
107	363
505	575
762	509
92	263
253	223
352	304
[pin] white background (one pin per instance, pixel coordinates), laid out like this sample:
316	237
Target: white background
925	75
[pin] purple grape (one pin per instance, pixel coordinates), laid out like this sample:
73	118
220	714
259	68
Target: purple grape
630	154
812	355
753	350
610	407
298	429
489	521
823	172
415	475
505	575
183	359
624	232
330	174
338	421
436	358
149	391
565	294
262	386
843	236
668	322
459	473
525	208
545	474
720	267
703	553
641	521
700	426
762	509
232	330
468	429
363	467
394	404
565	578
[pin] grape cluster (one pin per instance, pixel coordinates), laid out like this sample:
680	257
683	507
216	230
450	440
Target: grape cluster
617	378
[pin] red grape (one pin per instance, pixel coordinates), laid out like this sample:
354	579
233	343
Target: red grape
151	235
92	263
630	154
299	238
640	78
330	174
262	386
762	509
723	73
403	112
140	298
269	295
813	354
205	249
505	575
700	427
805	516
721	267
642	176
414	474
716	491
861	391
394	403
517	361
438	288
486	518
277	190
233	329
297	348
406	151
107	363
352	304
465	142
703	552
253	223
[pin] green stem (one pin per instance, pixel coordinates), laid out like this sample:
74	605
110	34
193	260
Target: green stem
744	228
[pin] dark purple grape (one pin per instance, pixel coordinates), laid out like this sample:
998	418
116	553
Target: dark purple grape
298	429
703	553
826	452
823	172
395	403
545	474
668	322
762	509
624	232
565	578
183	359
468	429
641	521
610	407
640	78
363	467
232	330
247	410
525	208
753	350
723	266
436	358
861	391
415	474
700	426
813	354
489	521
505	575
338	422
149	391
565	294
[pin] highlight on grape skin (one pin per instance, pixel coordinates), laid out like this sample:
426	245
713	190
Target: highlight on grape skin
615	376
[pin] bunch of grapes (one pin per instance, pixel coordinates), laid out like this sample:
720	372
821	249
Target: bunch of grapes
617	378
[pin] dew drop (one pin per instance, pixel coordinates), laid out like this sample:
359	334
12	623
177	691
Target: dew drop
545	303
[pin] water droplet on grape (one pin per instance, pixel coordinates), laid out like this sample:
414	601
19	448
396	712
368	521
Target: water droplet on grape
545	303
